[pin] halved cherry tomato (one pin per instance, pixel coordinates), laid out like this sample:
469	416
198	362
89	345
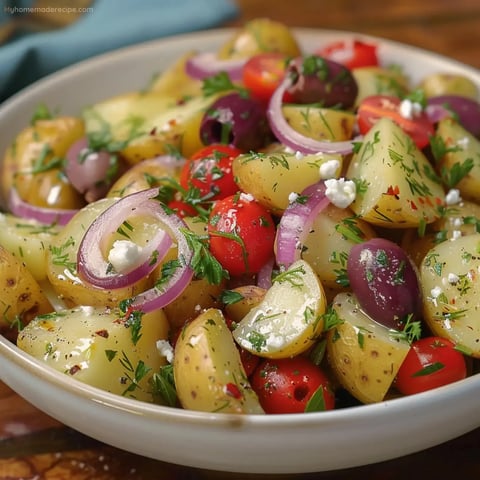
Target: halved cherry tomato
210	171
182	209
374	107
287	385
351	53
241	233
430	363
263	73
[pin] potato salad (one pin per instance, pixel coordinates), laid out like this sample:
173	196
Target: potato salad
262	229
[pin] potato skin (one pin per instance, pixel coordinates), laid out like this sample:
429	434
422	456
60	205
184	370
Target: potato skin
94	346
209	375
29	241
49	138
362	354
21	297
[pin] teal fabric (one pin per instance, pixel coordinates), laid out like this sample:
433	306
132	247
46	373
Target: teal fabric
111	24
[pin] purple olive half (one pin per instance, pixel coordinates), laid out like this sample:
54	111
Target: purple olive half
385	282
237	120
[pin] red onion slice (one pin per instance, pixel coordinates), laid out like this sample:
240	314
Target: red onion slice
206	64
44	215
293	139
93	267
296	222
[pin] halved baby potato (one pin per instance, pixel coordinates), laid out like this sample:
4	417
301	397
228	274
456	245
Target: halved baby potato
364	355
289	318
209	375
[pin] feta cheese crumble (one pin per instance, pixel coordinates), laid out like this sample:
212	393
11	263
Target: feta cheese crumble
409	109
124	255
453	197
340	192
165	349
329	169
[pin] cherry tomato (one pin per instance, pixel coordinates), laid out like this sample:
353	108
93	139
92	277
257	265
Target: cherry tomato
374	107
263	73
430	363
182	209
242	234
210	171
287	385
352	54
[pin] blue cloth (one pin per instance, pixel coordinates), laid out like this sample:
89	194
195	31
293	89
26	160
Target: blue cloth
109	25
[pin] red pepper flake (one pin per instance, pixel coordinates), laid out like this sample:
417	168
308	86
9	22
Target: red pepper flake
74	369
102	333
153	131
233	390
395	191
413	205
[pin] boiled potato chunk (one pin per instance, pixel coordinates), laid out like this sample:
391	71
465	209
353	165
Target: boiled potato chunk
398	192
95	346
327	243
147	123
289	319
33	163
447	83
450	281
209	375
248	296
260	35
379	80
363	354
461	146
21	297
320	123
28	240
272	177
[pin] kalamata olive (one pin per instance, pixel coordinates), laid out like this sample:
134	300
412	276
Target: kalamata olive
385	281
319	80
238	120
467	110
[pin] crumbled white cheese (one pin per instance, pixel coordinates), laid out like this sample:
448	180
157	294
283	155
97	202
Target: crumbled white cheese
299	155
452	278
463	142
124	254
165	349
453	197
436	292
456	222
456	234
409	109
329	169
340	192
247	197
225	115
292	197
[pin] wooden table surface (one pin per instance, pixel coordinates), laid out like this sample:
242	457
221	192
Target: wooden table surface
34	446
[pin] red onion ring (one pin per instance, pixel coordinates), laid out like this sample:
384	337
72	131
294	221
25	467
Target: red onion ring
435	113
93	267
45	215
206	64
289	136
296	222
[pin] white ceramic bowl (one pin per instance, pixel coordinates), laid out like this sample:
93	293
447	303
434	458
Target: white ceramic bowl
251	444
